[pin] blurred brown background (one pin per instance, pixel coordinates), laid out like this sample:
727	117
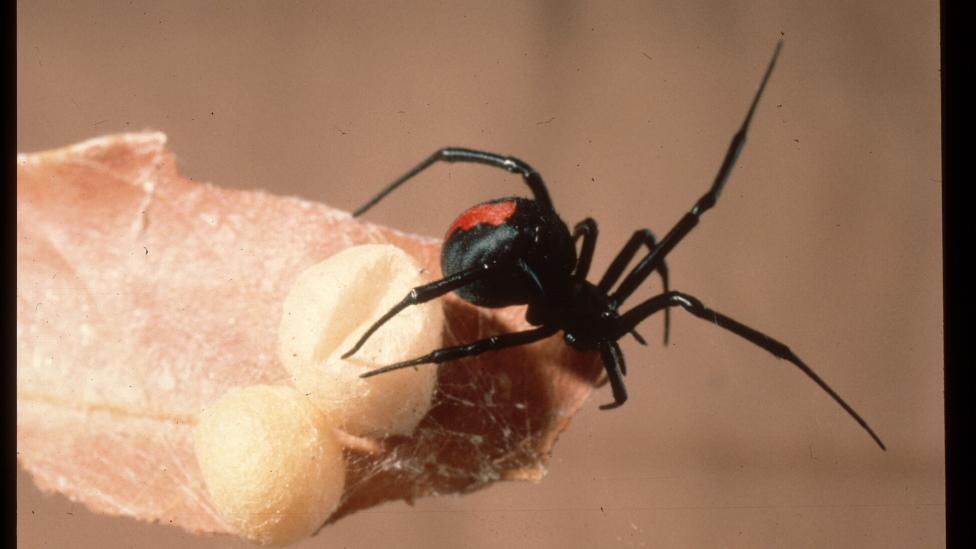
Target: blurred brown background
827	237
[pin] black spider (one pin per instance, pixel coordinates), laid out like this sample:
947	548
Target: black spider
518	251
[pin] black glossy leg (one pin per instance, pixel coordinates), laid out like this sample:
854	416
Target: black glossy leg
588	231
455	154
537	289
691	304
642	237
535	314
613	361
492	343
653	259
423	294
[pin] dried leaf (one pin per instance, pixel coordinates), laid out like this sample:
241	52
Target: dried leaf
142	297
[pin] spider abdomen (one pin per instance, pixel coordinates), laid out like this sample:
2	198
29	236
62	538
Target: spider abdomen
502	233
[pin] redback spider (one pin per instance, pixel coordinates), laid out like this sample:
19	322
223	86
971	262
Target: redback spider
518	251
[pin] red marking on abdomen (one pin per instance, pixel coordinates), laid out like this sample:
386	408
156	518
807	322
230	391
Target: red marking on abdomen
494	213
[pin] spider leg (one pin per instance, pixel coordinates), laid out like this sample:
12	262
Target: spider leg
691	304
642	237
492	343
536	313
655	257
613	362
456	154
423	294
640	339
588	231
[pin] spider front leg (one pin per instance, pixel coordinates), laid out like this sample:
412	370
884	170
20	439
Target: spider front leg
693	305
587	230
654	259
641	237
425	293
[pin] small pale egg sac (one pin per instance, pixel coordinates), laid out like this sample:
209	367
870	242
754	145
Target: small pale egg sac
271	463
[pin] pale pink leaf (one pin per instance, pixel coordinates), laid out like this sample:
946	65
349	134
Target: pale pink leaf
142	297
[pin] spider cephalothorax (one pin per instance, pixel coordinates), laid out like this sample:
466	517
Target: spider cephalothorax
518	251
